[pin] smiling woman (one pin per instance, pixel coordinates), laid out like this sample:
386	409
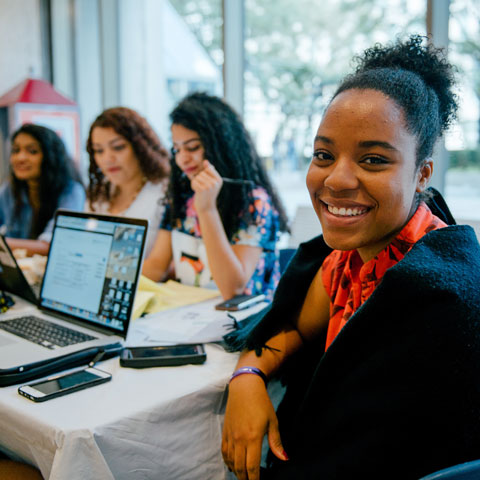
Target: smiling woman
373	326
42	179
360	179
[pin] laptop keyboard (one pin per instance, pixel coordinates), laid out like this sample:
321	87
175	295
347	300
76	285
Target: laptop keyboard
44	333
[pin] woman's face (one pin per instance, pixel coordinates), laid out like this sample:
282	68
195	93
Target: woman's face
115	157
362	179
188	150
26	157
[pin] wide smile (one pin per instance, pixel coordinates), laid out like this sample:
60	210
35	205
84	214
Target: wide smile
343	214
346	211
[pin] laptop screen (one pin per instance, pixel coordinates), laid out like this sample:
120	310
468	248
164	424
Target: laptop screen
93	267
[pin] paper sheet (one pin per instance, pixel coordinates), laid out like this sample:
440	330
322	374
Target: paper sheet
199	323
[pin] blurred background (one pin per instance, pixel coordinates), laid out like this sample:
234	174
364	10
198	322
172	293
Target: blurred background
276	61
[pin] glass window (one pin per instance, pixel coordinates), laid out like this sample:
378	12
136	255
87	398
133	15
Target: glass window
463	142
205	23
143	55
296	53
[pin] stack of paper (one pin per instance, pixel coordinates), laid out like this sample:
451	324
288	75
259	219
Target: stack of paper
155	297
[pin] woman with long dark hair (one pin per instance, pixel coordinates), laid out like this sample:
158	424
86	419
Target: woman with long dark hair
223	216
128	169
42	179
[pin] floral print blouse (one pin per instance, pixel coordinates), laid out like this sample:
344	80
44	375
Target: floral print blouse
189	254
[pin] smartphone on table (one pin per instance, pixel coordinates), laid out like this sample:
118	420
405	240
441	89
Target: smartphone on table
240	302
162	356
63	384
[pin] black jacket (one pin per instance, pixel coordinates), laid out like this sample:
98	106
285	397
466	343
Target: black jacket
397	394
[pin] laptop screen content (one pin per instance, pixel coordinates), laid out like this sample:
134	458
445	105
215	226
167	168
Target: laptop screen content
92	269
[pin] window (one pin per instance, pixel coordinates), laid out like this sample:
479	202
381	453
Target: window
296	54
463	142
201	55
143	55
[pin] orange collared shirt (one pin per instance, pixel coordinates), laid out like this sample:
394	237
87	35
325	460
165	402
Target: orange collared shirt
349	282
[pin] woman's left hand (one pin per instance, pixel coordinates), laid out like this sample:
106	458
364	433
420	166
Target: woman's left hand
206	185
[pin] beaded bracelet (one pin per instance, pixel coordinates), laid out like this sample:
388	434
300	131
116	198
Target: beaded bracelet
254	370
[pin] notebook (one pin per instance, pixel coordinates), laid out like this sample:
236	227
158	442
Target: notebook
87	292
12	279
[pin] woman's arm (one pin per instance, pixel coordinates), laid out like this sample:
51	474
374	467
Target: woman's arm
231	266
250	415
31	246
157	264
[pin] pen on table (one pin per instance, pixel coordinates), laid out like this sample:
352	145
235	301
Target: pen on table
113	350
97	358
237	181
233	181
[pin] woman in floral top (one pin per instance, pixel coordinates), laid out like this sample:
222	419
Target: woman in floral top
223	218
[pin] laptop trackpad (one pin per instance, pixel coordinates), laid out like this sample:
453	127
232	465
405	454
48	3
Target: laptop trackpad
6	341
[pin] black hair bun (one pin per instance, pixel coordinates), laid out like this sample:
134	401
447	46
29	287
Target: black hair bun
427	61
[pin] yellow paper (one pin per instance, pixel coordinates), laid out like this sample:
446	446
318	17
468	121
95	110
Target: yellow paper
147	285
142	299
154	297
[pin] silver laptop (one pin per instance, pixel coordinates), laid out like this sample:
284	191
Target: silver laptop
87	293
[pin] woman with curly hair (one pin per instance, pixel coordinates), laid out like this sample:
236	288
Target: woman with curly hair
128	168
374	325
223	217
42	179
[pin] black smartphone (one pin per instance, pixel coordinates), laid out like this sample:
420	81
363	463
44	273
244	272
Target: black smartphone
59	385
240	302
162	356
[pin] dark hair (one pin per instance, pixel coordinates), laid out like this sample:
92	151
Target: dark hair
152	157
230	149
56	174
419	79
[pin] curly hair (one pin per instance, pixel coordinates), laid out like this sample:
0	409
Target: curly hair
153	158
230	149
57	172
419	79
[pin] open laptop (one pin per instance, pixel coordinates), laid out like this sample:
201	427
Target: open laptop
87	292
12	279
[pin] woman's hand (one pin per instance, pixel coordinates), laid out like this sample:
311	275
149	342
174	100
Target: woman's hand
206	185
249	417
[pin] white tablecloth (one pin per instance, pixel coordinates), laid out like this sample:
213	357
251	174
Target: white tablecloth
156	423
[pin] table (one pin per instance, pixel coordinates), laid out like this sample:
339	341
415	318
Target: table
156	423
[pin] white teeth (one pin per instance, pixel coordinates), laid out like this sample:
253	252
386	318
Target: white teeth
346	212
